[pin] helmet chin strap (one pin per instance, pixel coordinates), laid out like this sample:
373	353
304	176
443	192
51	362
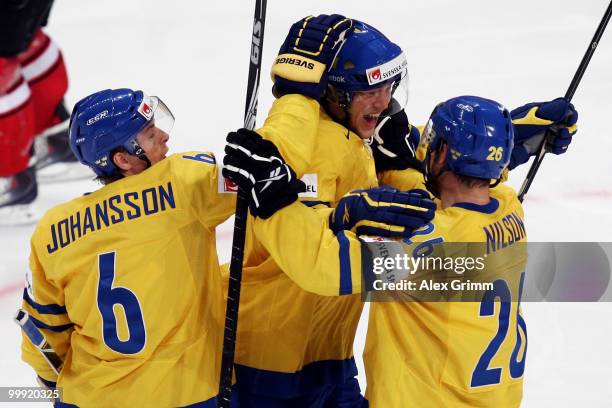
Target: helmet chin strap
140	153
432	181
344	102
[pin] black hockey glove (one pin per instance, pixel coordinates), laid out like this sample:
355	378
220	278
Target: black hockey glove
383	212
307	54
394	143
256	165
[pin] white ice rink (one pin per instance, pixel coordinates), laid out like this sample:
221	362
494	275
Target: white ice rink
194	54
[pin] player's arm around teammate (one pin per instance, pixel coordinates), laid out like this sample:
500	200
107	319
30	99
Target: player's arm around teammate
251	160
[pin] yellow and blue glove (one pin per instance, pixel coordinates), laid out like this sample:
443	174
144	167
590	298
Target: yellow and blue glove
531	122
384	212
307	54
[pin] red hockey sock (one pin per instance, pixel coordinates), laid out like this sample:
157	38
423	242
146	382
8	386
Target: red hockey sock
43	68
16	119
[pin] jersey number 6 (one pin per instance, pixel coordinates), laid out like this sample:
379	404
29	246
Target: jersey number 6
109	296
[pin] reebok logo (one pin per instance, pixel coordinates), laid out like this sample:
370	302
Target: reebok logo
346	218
274	176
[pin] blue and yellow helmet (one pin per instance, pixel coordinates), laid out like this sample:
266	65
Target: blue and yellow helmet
368	60
478	132
112	118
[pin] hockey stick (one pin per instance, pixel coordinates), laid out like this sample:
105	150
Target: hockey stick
568	95
22	318
242	207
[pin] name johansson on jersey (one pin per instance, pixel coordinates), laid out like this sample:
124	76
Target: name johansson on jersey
110	211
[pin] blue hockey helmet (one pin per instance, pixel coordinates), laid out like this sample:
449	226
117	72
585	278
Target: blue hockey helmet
478	132
368	60
110	119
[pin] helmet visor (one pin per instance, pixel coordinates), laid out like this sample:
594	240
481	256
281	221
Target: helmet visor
399	98
162	115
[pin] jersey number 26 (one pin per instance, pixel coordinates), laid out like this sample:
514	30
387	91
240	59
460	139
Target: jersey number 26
482	374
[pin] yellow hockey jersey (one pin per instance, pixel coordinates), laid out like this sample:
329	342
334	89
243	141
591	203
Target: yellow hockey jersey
284	329
456	354
125	285
403	180
445	368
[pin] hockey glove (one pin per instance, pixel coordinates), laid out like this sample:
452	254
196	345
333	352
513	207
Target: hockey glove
394	143
256	165
531	123
307	54
383	212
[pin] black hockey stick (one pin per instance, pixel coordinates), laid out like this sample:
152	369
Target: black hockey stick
568	95
242	207
22	318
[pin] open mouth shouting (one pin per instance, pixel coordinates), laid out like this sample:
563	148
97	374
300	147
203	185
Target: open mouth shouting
367	124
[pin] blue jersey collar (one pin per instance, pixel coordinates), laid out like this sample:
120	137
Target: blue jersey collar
488	208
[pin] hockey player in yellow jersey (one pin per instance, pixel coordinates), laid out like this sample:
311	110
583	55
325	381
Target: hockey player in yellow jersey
284	354
125	283
437	354
472	354
442	354
295	348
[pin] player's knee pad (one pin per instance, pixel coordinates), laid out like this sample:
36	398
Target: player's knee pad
43	67
16	119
